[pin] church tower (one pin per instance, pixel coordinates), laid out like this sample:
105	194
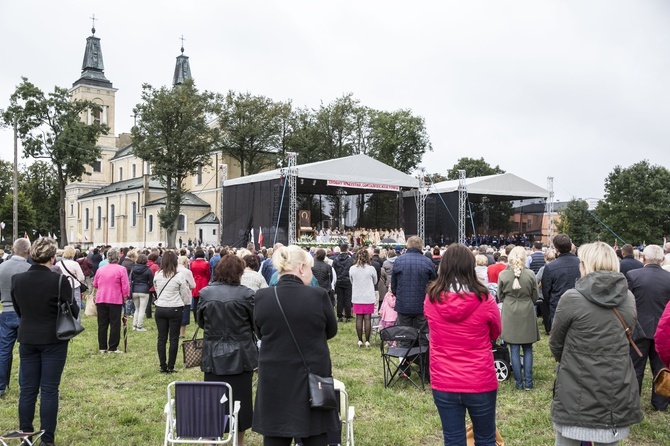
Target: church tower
93	86
182	69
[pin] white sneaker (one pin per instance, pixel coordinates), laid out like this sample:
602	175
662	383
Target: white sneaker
117	351
141	329
134	328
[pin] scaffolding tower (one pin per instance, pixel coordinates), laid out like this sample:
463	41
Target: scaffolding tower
422	192
550	212
291	177
462	199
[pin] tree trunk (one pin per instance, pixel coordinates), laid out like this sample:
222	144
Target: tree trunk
62	242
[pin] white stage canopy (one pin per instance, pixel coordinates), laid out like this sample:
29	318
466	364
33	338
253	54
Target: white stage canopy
504	186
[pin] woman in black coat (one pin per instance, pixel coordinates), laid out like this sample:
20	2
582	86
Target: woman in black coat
282	409
35	295
229	352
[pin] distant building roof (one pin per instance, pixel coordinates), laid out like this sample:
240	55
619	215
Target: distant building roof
128	150
187	200
120	186
209	218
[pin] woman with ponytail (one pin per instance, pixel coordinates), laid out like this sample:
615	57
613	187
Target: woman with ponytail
517	290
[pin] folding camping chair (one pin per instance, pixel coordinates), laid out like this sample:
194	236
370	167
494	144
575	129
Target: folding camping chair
23	438
199	412
404	355
346	415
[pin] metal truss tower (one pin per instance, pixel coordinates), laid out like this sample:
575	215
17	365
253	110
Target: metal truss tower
462	199
550	211
291	177
421	206
224	176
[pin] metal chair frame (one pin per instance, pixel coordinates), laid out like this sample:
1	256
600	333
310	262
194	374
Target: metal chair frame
396	357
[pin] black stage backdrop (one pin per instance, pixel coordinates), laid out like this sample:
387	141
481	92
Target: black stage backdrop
256	205
441	224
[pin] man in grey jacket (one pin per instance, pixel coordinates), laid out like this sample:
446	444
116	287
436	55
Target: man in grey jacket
9	320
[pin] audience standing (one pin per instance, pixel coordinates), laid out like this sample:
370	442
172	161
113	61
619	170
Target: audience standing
113	288
559	275
363	278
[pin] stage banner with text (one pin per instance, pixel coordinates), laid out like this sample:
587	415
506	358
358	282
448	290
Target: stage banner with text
357	185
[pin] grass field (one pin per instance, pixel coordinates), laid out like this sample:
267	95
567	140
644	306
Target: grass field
118	399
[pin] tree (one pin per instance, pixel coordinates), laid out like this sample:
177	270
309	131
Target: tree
50	127
250	127
578	223
174	137
27	212
398	139
6	178
335	124
498	213
36	184
637	203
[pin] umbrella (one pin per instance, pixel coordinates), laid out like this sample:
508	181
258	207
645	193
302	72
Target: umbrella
388	240
124	319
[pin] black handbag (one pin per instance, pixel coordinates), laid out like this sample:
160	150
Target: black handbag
321	388
67	326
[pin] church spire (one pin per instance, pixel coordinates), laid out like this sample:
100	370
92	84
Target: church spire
92	68
182	69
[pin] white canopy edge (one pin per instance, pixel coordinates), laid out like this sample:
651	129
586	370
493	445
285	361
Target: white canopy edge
504	184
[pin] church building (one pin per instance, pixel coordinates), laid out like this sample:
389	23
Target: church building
118	202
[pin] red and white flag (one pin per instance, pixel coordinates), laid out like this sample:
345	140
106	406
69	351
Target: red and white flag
260	236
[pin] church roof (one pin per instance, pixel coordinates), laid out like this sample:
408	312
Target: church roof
128	150
182	69
93	68
209	218
187	200
122	186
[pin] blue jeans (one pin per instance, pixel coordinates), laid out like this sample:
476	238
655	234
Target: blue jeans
41	370
527	365
9	330
482	409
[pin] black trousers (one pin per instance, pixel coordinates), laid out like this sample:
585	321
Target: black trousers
648	349
343	301
316	440
109	318
546	320
168	322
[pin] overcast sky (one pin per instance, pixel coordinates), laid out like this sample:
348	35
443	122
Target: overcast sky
568	89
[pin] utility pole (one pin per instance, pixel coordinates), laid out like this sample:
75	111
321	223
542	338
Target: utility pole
15	210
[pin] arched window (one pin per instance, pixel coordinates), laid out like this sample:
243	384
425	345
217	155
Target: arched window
120	173
151	223
181	223
134	210
112	215
86	219
99	225
134	168
199	176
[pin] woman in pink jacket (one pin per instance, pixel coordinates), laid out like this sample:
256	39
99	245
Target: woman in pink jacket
463	319
113	288
662	337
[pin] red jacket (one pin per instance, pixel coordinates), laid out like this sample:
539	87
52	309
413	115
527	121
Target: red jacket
201	274
662	336
461	330
494	271
153	266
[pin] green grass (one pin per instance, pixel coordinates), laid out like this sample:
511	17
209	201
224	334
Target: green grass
119	399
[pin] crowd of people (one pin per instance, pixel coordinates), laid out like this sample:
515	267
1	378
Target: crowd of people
272	310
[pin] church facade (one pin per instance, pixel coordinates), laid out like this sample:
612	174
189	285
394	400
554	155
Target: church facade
117	202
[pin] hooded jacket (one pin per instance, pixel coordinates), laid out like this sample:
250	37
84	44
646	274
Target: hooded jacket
595	384
461	330
141	279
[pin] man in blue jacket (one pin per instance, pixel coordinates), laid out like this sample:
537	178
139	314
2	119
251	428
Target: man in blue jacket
411	273
560	275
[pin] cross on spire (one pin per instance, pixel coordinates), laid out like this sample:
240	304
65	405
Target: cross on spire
93	27
182	43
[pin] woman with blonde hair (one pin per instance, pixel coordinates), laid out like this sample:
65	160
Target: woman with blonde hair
281	372
363	278
73	272
596	397
517	290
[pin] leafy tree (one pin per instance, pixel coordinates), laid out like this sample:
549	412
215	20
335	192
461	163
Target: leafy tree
335	124
499	213
51	128
398	139
174	137
578	223
6	178
27	212
637	203
37	185
251	129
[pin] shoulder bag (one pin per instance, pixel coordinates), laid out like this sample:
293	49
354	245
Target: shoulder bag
192	351
662	382
82	287
67	326
321	389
